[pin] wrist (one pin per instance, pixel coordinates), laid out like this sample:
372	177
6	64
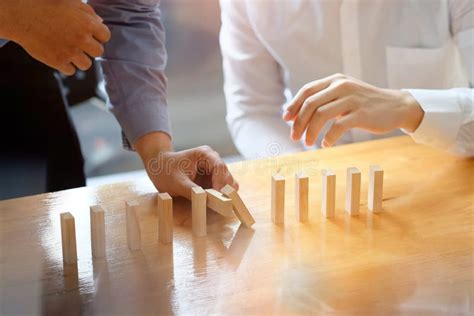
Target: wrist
412	112
152	144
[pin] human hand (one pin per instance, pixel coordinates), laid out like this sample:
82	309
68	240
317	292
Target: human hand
63	34
178	172
354	104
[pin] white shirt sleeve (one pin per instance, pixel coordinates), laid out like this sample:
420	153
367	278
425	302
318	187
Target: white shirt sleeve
253	87
448	122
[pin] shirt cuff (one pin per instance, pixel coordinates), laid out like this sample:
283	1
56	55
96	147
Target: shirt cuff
442	119
138	103
140	120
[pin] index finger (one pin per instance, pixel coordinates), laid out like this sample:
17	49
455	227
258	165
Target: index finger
305	92
101	32
217	169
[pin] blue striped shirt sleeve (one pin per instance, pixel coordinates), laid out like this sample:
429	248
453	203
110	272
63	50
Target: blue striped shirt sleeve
133	65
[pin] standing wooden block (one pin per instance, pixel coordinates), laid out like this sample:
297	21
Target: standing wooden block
328	199
240	209
353	191
165	218
198	201
301	194
68	238
217	202
278	199
97	215
134	238
374	201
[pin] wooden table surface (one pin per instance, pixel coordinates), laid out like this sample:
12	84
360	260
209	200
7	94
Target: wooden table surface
415	258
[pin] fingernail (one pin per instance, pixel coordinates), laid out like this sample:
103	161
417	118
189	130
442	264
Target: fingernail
294	136
287	116
324	144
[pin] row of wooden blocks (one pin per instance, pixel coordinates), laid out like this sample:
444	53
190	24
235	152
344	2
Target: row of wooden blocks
328	198
227	203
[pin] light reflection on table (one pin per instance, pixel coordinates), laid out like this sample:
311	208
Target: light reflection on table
416	257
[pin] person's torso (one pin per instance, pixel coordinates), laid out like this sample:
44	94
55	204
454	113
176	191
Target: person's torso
388	43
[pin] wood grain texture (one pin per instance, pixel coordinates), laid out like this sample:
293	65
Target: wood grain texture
414	258
353	179
199	211
375	194
278	199
301	196
165	218
97	215
217	202
132	223
240	209
68	238
328	193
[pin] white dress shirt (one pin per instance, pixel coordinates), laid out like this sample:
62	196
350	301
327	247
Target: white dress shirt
272	48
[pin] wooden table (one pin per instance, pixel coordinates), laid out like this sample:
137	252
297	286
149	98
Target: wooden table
414	258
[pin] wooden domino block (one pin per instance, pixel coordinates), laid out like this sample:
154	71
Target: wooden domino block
374	201
134	238
68	238
353	191
217	202
165	218
328	199
97	215
301	194
198	201
278	199
240	209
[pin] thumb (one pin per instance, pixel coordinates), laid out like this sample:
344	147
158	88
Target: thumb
185	186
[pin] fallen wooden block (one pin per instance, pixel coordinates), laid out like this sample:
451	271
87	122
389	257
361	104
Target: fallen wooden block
134	238
353	191
217	202
240	209
278	199
68	238
328	199
301	195
198	202
165	218
374	200
97	216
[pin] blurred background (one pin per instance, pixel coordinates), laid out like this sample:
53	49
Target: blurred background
195	96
